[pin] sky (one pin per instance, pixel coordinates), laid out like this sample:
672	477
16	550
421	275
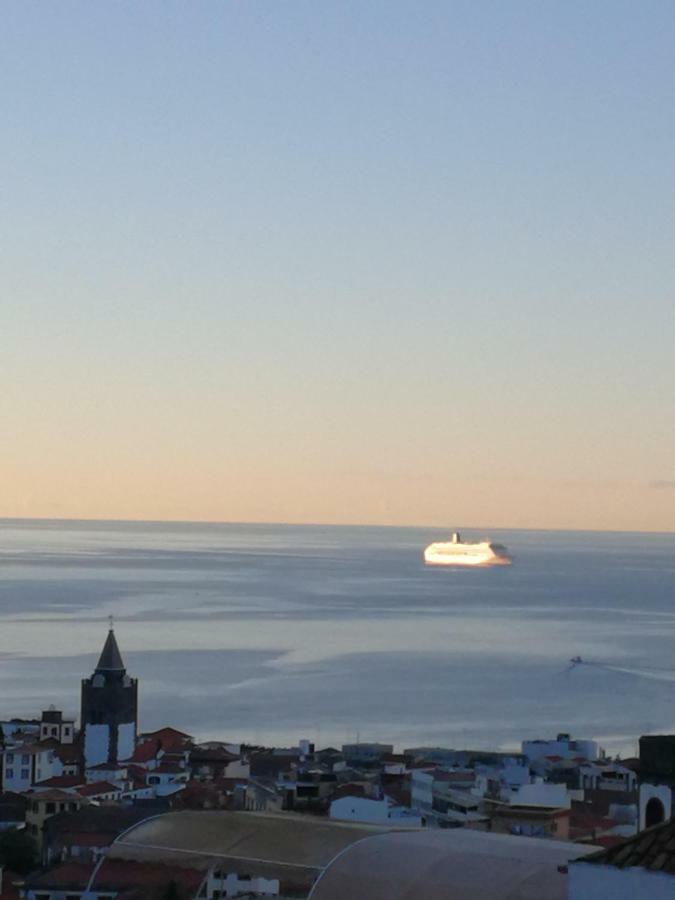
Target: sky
384	262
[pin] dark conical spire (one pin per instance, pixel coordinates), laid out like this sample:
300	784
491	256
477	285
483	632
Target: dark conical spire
111	658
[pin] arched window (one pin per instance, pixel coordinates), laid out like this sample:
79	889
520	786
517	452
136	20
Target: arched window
654	813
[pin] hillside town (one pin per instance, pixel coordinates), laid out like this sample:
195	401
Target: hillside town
100	810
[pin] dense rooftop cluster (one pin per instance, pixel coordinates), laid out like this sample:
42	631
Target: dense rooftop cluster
122	814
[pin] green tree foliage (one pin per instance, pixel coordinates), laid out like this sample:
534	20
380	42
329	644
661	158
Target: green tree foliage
171	892
18	851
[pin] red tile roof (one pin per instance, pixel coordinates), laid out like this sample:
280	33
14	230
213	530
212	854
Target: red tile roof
88	839
67	875
145	752
652	849
9	891
68	753
61	781
170	738
218	754
51	794
608	840
97	787
117	874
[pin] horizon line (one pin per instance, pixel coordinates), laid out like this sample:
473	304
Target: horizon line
278	524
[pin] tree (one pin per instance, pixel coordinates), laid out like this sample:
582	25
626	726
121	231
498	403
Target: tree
18	851
171	892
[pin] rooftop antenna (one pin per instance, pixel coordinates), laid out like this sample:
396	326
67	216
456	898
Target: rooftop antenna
110	622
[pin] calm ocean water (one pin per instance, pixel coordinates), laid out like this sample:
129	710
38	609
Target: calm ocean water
272	633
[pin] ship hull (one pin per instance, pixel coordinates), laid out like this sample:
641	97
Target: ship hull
453	554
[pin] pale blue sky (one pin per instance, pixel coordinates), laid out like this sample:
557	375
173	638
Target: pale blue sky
339	261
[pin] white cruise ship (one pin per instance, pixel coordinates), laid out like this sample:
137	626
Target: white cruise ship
464	553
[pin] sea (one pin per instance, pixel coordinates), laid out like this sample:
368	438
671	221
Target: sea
272	633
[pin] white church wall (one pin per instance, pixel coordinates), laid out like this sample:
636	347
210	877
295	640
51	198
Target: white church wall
126	740
96	744
593	882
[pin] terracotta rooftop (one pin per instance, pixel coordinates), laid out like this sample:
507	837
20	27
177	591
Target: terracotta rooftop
89	839
145	751
9	890
118	874
652	849
170	738
217	754
61	781
110	820
97	787
67	875
51	794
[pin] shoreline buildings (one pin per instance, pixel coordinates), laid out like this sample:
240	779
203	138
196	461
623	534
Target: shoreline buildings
118	814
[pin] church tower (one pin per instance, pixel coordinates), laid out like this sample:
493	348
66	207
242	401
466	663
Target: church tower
109	715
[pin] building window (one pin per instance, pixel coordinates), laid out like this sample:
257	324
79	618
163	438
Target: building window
25	774
25	759
654	812
10	758
10	773
51	809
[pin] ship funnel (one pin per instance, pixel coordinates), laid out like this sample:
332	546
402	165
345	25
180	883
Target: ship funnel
456	539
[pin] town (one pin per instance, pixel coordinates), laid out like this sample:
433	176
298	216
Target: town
107	812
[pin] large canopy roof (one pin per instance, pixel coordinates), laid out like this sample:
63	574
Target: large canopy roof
453	864
287	845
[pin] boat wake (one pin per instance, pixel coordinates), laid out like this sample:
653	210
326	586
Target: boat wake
654	673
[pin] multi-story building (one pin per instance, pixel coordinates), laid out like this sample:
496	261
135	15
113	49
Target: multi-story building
54	727
23	765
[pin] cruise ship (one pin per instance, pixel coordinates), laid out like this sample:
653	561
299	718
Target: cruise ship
464	553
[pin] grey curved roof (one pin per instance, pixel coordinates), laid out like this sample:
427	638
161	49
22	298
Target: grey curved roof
453	864
287	845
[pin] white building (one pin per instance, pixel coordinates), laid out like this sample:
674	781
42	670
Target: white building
441	803
608	777
375	812
564	747
23	765
538	793
229	884
53	727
